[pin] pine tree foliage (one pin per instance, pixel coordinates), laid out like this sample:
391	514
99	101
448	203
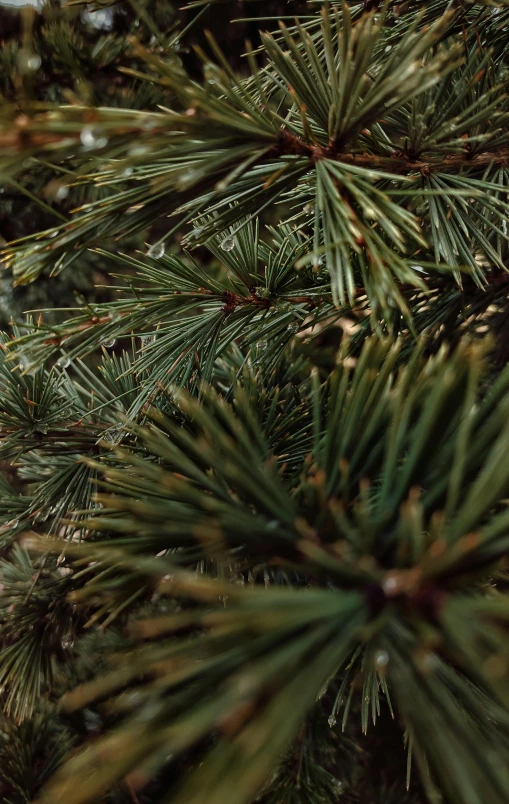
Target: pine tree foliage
288	130
31	594
59	55
253	494
186	318
31	752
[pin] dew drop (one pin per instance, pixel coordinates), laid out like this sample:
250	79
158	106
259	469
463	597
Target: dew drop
261	344
156	251
390	585
67	643
93	137
137	150
33	62
115	315
186	178
64	362
28	62
127	172
114	436
61	192
25	365
332	721
228	244
381	658
100	19
293	327
109	344
211	73
56	190
146	339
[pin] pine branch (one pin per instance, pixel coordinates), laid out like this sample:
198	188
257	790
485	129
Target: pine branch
238	130
30	753
383	513
35	620
261	304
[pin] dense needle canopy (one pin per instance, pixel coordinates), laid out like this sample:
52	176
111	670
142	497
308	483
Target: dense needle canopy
254	403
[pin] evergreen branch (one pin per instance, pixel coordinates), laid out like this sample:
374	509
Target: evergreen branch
261	305
31	752
245	705
457	716
213	476
28	655
253	131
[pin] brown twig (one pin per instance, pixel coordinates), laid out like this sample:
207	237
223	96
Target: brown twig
290	145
